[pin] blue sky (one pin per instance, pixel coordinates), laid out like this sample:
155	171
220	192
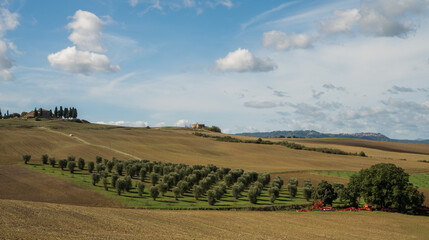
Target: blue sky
331	66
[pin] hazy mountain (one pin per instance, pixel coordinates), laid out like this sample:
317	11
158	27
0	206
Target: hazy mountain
315	134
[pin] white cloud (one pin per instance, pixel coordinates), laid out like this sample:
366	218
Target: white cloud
241	60
281	41
125	123
388	18
8	20
87	36
5	63
133	3
160	124
75	61
344	21
226	3
256	104
86	31
182	123
189	3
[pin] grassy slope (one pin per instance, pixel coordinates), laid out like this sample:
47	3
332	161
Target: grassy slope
172	145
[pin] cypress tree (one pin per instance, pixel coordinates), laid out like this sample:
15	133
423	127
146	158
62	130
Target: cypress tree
1	116
75	113
61	113
50	113
56	112
35	113
66	113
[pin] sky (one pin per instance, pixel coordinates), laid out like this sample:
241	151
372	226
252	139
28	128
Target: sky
331	66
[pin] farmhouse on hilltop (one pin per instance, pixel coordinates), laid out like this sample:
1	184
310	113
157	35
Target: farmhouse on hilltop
198	126
41	113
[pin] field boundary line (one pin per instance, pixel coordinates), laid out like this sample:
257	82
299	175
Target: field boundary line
88	143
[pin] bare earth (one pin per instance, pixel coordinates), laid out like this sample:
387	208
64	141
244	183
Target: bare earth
22	184
30	220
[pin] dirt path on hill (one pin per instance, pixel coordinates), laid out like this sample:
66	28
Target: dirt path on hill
88	143
19	183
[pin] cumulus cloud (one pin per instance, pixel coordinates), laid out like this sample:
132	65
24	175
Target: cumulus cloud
76	61
5	63
86	31
386	18
86	36
280	41
182	123
260	105
317	94
8	21
125	123
241	60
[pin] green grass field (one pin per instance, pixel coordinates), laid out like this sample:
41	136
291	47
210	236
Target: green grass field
131	199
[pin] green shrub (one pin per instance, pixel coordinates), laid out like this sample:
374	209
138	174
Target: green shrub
45	159
120	184
142	174
154	193
71	158
293	189
52	161
81	163
26	158
100	167
214	129
91	166
252	194
95	177
106	183
98	159
274	193
128	183
154	177
362	154
71	166
308	192
198	192
119	168
325	193
163	188
140	188
115	177
62	164
211	197
110	166
176	192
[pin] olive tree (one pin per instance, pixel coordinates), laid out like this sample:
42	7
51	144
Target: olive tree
106	183
154	192
176	192
91	166
26	158
81	163
95	178
325	193
52	161
211	197
45	159
71	166
140	188
62	164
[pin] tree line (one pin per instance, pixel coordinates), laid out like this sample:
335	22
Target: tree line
60	112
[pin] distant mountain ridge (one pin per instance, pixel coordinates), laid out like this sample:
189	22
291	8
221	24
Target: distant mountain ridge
315	134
